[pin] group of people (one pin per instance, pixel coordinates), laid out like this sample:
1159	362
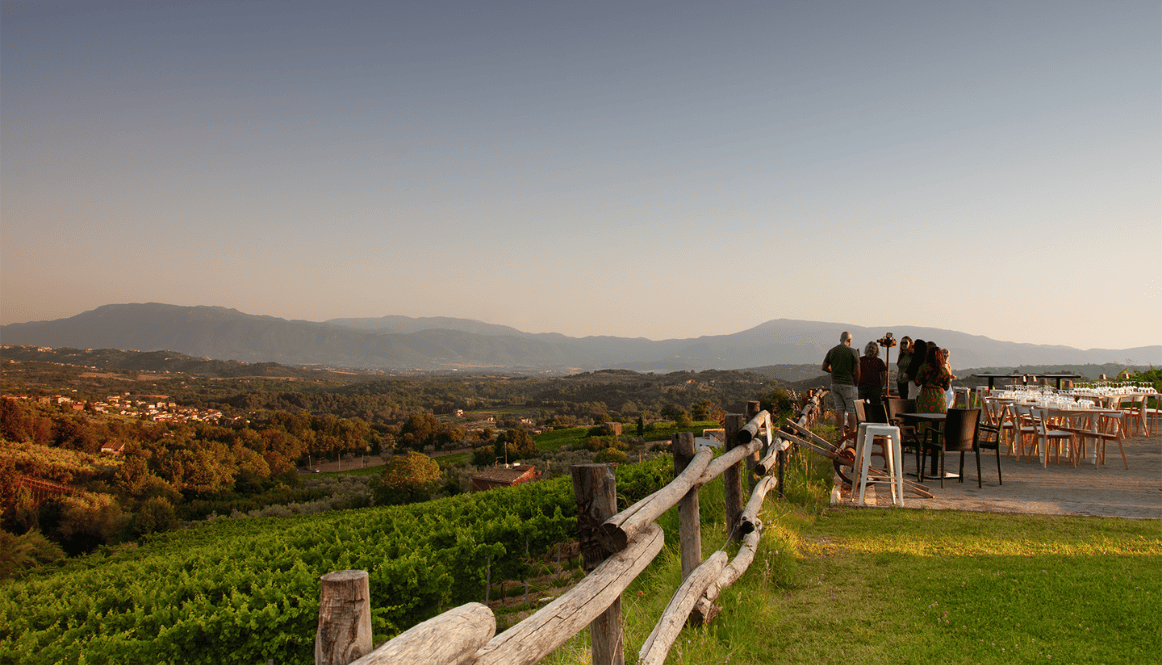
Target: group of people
922	369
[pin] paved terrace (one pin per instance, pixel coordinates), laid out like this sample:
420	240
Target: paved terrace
1107	491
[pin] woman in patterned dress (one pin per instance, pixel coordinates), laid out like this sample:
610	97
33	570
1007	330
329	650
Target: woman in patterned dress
933	379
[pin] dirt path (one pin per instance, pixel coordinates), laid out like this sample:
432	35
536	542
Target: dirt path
1108	491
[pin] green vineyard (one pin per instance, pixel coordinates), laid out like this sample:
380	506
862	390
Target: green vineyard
247	590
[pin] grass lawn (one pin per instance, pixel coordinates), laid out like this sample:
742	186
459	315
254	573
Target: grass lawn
851	585
939	586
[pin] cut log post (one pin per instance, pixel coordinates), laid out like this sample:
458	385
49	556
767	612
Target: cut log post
754	414
619	529
689	518
595	489
448	639
732	477
769	460
750	515
657	645
781	457
754	422
705	610
534	638
344	632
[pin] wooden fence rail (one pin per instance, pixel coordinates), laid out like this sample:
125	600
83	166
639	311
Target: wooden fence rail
467	634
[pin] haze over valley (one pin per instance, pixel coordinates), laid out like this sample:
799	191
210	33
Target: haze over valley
444	343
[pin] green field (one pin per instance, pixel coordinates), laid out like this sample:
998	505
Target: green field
843	585
828	584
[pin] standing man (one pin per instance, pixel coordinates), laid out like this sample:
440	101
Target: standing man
842	363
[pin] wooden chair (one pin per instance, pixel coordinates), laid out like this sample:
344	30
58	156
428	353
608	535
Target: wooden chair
1051	438
1110	428
1024	431
1134	409
1152	415
1000	415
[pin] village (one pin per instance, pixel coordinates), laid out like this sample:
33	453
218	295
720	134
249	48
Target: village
154	408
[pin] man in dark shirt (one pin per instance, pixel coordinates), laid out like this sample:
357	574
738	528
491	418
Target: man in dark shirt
842	363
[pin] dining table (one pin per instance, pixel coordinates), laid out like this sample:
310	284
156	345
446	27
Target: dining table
1056	376
1084	421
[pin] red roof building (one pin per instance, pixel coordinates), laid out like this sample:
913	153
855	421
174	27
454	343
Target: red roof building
504	476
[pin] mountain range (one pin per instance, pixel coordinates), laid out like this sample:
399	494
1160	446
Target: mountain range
440	343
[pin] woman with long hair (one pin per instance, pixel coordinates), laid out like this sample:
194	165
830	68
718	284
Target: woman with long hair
873	374
934	379
919	355
902	364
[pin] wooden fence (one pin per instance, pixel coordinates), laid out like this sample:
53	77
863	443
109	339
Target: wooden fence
618	547
38	490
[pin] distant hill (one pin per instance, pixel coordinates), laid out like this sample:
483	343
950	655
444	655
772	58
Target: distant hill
396	342
162	361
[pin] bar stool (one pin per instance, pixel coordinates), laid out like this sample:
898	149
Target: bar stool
957	391
981	392
893	458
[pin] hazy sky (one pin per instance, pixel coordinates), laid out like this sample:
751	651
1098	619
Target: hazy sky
653	169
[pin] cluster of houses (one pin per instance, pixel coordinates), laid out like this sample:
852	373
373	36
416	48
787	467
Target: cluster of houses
154	409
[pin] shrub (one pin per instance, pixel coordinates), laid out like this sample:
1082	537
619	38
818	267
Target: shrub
152	516
610	456
599	443
406	479
483	456
19	553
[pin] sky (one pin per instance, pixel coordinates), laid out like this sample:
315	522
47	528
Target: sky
639	169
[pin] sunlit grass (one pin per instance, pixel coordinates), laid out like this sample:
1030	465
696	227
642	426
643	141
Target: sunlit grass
841	585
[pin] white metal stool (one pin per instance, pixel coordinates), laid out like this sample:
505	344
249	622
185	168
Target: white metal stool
893	458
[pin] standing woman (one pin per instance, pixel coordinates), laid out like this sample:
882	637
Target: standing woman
948	394
902	366
873	374
919	355
934	379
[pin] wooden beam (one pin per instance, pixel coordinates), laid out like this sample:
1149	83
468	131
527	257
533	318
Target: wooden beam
750	515
705	610
620	529
751	429
448	639
657	645
534	638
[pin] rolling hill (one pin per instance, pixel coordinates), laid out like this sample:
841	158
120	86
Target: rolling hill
397	342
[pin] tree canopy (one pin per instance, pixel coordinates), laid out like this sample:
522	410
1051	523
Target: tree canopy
406	479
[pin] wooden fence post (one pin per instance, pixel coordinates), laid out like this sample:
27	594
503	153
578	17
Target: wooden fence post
752	409
344	632
782	459
732	477
595	488
689	518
